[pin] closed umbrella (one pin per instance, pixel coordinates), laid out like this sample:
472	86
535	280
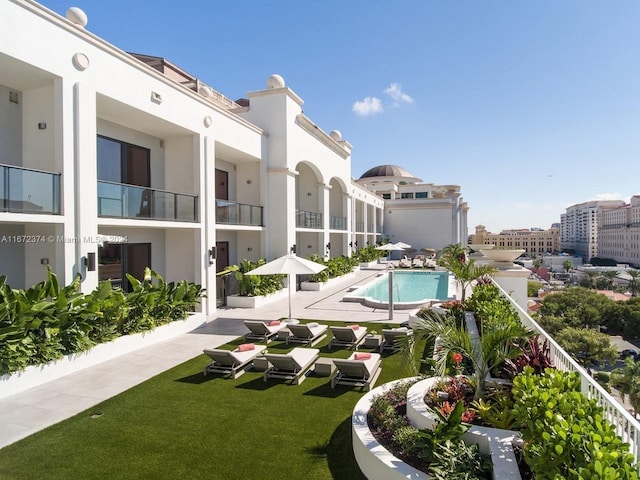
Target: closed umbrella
403	245
288	265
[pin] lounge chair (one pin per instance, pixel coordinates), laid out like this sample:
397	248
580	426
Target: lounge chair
262	331
417	262
359	373
390	337
291	366
405	263
229	362
347	336
306	333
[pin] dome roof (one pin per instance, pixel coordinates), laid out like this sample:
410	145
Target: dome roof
387	171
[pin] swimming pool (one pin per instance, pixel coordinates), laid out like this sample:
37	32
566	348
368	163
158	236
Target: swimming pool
410	290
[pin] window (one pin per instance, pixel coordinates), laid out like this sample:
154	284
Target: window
386	196
407	195
422	195
121	162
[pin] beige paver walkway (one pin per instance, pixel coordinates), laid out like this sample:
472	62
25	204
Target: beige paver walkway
32	410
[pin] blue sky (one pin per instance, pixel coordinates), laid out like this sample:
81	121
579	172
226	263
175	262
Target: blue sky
529	106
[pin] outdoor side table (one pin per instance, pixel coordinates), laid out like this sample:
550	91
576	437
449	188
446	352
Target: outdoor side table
324	367
372	341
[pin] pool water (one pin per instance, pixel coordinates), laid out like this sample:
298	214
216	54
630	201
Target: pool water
409	289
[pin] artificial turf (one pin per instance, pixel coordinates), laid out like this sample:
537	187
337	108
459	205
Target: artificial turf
183	425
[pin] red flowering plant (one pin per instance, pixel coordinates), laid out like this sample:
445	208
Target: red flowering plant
444	396
457	362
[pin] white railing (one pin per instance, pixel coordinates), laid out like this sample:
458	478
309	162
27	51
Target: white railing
626	426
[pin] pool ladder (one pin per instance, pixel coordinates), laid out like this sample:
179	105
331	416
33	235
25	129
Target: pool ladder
397	290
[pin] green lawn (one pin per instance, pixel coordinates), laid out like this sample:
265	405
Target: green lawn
183	425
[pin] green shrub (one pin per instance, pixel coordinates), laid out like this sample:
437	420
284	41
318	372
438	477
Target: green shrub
45	322
254	285
565	433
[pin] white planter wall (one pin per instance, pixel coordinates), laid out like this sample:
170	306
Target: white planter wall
36	375
254	302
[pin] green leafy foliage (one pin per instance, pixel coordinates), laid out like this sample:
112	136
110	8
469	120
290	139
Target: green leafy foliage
254	285
336	267
45	322
565	433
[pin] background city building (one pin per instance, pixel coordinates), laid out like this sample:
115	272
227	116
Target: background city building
535	242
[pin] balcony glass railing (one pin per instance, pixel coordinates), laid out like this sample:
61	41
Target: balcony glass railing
338	223
24	190
232	213
119	200
306	219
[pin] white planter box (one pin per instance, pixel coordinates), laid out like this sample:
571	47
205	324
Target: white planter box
369	264
36	375
317	286
254	302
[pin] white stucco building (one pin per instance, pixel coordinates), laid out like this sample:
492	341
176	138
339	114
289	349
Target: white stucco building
111	162
619	233
579	227
417	213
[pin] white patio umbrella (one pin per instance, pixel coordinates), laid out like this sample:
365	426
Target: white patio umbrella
403	245
288	265
390	247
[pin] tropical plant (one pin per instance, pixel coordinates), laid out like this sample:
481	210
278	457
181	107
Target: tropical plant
565	433
634	283
534	354
47	321
455	460
567	265
464	269
627	381
497	342
253	285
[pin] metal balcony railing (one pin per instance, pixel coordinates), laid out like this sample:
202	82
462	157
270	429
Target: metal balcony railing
25	190
232	213
337	223
626	426
119	200
306	219
359	226
369	227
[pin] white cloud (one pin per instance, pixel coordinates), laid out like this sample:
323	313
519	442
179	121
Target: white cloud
397	95
368	106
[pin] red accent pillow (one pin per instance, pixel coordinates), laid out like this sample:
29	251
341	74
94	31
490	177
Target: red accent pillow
274	323
245	347
354	327
362	356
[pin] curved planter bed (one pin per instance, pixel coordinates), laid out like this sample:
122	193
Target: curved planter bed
377	463
35	375
493	441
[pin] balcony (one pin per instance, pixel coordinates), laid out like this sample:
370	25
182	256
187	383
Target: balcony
306	219
337	223
232	213
359	226
118	200
24	190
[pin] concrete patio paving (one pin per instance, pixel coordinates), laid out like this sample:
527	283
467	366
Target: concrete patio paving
27	412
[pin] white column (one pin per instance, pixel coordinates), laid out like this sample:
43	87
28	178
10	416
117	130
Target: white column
85	183
325	237
207	265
